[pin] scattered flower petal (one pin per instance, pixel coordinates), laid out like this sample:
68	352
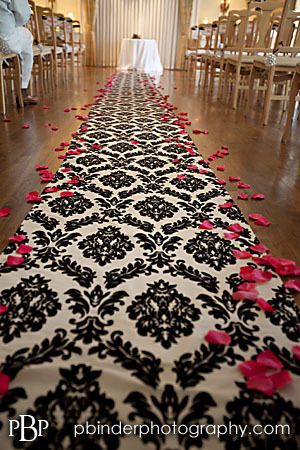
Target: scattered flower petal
4	384
3	309
206	225
4	212
256	275
269	359
265	306
18	238
294	285
226	205
236	228
259	248
66	194
257	197
262	383
23	249
296	351
243	196
218	337
14	261
241	254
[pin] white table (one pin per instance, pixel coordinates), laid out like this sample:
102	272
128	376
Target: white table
140	54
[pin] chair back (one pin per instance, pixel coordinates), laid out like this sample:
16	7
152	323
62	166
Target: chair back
264	17
291	33
46	26
204	36
69	31
77	33
59	26
33	24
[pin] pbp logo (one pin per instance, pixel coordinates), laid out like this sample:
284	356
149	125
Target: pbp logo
27	427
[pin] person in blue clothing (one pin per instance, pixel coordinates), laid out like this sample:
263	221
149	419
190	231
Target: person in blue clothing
15	38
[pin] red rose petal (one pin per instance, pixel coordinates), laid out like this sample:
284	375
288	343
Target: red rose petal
53	189
243	196
14	261
218	337
133	142
227	205
241	254
296	352
259	248
32	197
236	228
269	359
221	168
265	306
181	177
3	309
23	249
39	167
231	236
66	194
251	368
261	383
222	182
67	110
245	291
206	225
257	197
4	212
4	384
281	379
257	275
233	179
192	167
244	186
18	238
293	285
26	126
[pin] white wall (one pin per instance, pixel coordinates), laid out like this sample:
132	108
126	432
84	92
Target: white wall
67	7
209	10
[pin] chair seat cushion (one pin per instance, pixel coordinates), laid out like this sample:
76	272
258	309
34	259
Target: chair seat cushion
281	61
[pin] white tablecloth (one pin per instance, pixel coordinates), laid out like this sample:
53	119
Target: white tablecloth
140	54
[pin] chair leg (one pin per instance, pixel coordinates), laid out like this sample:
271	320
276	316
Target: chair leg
292	102
250	90
212	76
221	79
226	82
267	103
236	86
17	81
2	93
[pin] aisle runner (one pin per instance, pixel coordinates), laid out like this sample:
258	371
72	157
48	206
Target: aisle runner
107	316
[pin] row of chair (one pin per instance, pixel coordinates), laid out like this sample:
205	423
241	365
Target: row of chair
57	45
248	51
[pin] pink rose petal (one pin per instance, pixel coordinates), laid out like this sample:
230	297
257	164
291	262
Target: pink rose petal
26	126
206	225
244	186
231	236
3	309
259	248
293	285
257	197
226	205
241	254
18	238
261	383
192	167
222	182
281	379
181	177
256	275
251	368
14	261
265	306
269	359
218	337
245	291
233	179
66	194
53	189
4	212
33	197
242	196
23	249
133	142
259	219
4	384
296	352
236	228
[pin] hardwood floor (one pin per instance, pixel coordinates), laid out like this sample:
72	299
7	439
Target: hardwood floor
256	153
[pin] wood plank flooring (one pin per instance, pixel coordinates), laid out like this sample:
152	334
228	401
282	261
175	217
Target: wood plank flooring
256	153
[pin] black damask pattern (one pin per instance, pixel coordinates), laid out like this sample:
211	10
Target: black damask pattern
163	313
